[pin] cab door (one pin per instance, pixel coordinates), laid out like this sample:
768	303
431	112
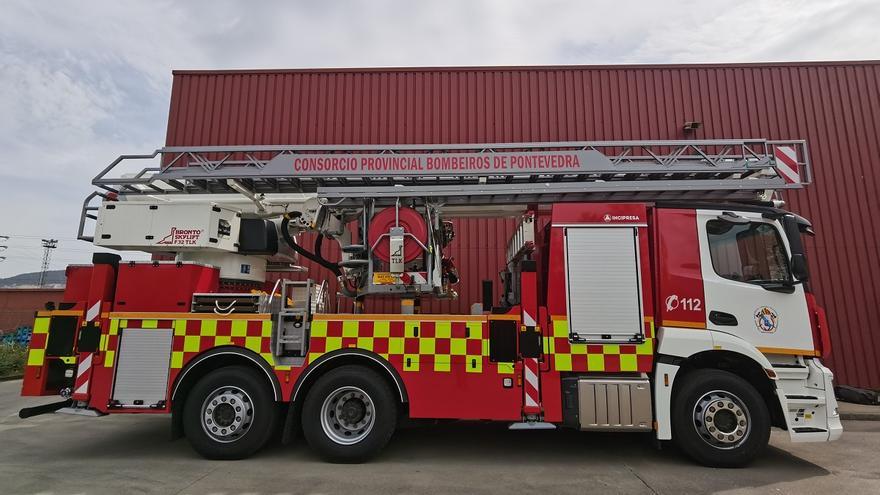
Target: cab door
749	289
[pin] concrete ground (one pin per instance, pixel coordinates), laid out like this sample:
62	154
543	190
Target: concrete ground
124	454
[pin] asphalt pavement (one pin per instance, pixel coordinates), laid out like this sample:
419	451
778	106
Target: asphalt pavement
61	454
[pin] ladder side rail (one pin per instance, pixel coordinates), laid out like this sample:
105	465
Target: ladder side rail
195	169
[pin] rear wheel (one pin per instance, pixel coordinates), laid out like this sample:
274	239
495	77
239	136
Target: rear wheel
719	419
229	414
349	414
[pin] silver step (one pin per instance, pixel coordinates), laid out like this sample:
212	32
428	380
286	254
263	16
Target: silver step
80	411
531	425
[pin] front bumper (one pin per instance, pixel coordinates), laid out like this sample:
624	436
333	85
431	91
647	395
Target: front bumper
807	400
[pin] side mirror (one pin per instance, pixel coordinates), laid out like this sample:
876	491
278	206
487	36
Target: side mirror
799	267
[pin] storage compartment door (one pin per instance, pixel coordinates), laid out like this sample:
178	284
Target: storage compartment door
142	366
604	284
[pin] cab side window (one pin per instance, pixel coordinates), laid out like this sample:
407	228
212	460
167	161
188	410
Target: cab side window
752	252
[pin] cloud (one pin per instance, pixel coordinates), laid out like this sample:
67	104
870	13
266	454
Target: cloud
81	83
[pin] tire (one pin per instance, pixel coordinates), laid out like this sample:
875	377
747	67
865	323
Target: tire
349	414
230	413
719	419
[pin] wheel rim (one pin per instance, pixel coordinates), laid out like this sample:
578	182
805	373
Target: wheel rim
722	419
227	414
347	415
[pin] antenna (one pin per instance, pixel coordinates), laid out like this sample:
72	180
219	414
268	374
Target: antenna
48	246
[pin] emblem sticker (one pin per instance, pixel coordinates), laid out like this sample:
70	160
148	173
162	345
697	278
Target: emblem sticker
177	236
766	319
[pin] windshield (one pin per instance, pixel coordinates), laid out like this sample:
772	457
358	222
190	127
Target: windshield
752	252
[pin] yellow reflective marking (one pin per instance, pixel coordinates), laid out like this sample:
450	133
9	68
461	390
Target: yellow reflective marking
222	340
267	328
41	325
560	328
268	357
380	328
68	359
319	328
458	346
176	360
426	345
442	366
108	359
350	328
253	343
411	327
208	328
179	327
35	357
411	362
562	362
239	328
102	345
443	329
596	362
332	343
149	323
628	362
365	343
191	343
395	345
474	364
476	329
505	368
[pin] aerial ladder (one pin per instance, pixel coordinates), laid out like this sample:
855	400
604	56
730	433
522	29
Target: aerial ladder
398	196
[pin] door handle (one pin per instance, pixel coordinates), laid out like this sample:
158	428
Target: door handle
723	319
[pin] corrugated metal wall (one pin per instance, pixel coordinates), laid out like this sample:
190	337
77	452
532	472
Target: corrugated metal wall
835	106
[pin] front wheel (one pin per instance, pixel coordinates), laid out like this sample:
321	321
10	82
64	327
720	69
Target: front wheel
229	414
719	419
349	414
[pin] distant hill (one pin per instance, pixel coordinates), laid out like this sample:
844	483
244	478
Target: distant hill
54	278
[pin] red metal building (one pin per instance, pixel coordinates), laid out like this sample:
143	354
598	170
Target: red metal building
17	306
835	106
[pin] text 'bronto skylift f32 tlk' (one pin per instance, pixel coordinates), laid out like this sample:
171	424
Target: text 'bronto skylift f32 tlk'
650	287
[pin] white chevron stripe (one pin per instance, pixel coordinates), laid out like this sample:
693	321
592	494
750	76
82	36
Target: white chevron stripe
94	311
82	389
531	377
84	366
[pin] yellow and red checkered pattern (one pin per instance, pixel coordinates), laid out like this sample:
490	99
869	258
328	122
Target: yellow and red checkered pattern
423	344
568	356
193	336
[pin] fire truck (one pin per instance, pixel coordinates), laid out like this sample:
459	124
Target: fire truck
652	286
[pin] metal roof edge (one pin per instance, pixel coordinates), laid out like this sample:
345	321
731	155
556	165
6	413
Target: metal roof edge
493	68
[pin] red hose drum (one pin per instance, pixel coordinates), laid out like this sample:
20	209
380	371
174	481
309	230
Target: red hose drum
412	223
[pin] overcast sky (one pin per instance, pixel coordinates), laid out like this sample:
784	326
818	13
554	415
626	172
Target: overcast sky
82	82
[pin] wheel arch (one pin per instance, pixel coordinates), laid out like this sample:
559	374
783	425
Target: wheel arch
211	360
343	357
331	361
741	365
681	351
